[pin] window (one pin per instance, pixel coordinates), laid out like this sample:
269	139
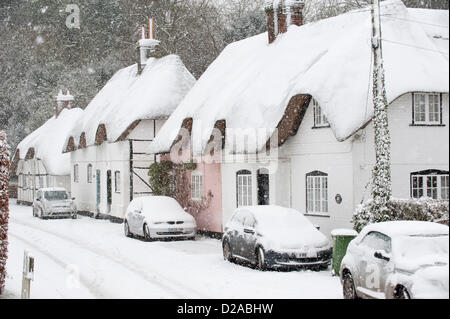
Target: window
317	192
320	120
117	181
196	185
41	181
427	108
244	188
377	241
250	221
76	173
89	173
430	183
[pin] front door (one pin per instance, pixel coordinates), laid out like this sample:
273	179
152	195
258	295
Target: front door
263	187
108	191
98	183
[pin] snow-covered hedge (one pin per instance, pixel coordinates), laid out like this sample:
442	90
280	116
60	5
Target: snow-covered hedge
424	209
4	207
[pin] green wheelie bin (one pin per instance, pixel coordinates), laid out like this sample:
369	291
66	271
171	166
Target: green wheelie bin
341	239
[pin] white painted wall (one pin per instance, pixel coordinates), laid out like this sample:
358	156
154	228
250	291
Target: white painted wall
349	163
113	157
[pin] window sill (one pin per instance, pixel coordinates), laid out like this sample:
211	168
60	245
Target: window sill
319	127
425	124
317	215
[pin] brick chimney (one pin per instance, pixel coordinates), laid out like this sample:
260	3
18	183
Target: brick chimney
63	101
147	45
281	14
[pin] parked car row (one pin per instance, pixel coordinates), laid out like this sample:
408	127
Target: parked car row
398	260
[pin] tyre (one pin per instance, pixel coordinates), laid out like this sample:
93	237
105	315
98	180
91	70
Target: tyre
227	254
401	293
147	236
260	259
74	216
34	212
348	287
41	214
126	229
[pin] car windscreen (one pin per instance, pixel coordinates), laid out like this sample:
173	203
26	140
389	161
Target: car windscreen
56	195
421	249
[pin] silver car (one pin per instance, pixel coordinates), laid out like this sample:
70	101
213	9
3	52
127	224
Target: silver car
158	217
54	202
397	260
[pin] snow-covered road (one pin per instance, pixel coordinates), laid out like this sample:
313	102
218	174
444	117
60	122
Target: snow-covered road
88	258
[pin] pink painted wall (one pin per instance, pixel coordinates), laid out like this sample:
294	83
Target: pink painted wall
211	219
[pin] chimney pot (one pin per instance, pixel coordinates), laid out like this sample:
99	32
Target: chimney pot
281	14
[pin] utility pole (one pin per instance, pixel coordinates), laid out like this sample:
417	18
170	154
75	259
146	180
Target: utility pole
382	171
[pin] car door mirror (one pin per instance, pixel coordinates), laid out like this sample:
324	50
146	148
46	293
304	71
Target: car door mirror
38	199
73	198
381	255
137	211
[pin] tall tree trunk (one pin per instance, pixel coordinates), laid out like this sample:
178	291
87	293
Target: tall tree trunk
382	170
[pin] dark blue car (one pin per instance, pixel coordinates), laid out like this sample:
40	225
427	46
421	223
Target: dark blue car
275	237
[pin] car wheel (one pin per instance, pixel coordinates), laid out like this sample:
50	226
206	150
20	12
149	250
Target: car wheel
348	287
74	216
260	259
147	236
401	293
126	229
227	254
41	214
34	212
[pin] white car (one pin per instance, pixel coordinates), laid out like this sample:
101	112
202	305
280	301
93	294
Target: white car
157	217
275	237
397	260
54	202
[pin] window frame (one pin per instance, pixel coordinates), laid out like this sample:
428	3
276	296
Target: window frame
89	171
76	173
379	236
425	175
427	121
196	186
248	194
311	200
117	182
323	119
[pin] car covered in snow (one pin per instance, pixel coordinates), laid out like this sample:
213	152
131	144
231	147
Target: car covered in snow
397	260
158	217
54	202
275	237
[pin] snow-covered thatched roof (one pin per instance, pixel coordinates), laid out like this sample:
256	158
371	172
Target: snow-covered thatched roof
47	141
129	97
251	83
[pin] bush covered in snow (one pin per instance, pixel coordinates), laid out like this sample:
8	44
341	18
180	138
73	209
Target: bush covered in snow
424	209
4	208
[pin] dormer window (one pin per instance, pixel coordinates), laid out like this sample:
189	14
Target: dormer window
427	109
320	120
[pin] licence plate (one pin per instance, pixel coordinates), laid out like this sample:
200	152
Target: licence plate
300	255
175	230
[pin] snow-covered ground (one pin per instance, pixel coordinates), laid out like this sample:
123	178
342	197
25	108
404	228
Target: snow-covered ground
109	265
